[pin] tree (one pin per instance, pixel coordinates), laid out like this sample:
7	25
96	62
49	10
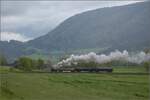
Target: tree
40	64
25	63
3	60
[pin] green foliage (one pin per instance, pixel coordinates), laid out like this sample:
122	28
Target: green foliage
28	64
25	63
147	66
40	64
3	60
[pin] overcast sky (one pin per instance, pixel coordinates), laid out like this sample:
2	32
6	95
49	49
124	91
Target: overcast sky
31	19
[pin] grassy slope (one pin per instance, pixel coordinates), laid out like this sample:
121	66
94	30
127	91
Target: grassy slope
69	86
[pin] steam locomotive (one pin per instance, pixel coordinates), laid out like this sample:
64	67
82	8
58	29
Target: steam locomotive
83	69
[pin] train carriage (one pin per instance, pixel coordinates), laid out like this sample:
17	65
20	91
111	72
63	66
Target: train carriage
83	69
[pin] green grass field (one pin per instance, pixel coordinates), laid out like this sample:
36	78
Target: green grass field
73	86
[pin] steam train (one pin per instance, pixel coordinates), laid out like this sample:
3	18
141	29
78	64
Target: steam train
83	69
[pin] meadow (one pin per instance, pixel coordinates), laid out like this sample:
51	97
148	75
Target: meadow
74	86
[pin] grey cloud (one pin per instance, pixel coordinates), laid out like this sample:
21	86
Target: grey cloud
35	18
11	8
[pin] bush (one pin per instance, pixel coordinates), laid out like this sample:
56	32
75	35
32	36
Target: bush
24	63
28	64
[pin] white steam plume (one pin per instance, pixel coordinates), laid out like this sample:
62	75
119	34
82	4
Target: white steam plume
102	58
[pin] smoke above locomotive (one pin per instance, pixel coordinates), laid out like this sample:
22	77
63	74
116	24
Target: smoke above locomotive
137	58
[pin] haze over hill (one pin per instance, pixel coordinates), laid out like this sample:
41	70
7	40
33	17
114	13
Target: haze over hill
123	27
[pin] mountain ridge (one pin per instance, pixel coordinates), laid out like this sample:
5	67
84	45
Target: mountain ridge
69	25
120	27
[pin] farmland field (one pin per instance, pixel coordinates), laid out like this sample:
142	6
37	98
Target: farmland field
73	86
